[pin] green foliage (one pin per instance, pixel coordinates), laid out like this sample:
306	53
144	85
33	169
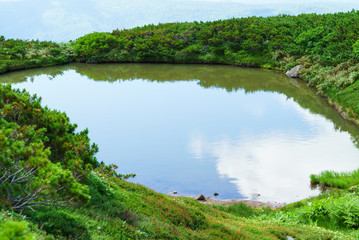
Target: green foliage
331	212
22	54
356	48
61	223
95	46
163	217
327	38
110	170
316	211
344	211
325	45
42	158
342	180
28	177
242	210
12	230
72	150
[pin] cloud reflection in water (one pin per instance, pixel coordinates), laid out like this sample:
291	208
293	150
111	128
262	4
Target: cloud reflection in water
278	164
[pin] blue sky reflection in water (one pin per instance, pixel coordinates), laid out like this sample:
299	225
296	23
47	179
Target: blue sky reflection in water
178	135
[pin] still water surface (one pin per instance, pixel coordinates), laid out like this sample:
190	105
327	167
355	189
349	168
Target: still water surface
202	129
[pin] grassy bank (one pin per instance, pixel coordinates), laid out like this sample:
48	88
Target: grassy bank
122	210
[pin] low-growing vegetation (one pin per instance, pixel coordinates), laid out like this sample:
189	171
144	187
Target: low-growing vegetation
328	179
16	54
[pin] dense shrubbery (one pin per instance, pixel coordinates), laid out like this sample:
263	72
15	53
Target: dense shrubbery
325	45
10	230
336	213
61	223
42	158
96	46
327	179
328	39
22	54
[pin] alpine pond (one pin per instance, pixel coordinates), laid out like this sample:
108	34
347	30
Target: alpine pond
202	128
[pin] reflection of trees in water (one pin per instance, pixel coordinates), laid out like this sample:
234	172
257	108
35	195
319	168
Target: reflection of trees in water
209	76
23	76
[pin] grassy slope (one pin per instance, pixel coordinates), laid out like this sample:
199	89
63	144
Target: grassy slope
141	213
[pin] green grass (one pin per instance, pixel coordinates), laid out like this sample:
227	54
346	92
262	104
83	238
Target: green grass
336	212
343	180
242	210
123	210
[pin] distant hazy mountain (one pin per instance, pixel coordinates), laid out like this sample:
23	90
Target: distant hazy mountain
63	20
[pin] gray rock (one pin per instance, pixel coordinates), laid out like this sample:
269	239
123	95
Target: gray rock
290	238
174	192
354	188
200	197
256	195
294	72
215	194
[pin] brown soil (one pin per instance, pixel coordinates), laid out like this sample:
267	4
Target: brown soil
251	203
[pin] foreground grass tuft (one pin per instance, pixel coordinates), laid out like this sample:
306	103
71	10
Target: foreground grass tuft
343	180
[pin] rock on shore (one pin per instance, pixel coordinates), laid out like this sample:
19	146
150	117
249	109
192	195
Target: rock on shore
294	72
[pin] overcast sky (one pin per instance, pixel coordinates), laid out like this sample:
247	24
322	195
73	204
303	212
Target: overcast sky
63	20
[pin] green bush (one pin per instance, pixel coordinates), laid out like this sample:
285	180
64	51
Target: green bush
24	54
11	230
240	209
102	199
356	48
3	67
60	223
342	180
94	46
332	213
40	150
344	211
316	211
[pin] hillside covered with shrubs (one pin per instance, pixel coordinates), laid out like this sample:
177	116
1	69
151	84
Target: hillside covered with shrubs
326	46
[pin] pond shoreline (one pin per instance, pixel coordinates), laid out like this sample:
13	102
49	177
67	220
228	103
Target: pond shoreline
250	203
342	111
